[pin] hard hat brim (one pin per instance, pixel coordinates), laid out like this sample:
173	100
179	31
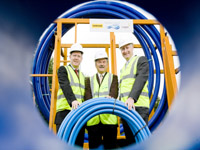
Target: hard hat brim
76	51
127	43
101	58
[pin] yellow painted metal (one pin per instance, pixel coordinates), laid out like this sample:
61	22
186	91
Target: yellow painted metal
87	21
151	114
174	53
175	71
86	146
167	56
98	45
65	61
145	22
121	137
65	56
41	75
72	21
56	65
170	78
88	45
113	53
107	51
75	32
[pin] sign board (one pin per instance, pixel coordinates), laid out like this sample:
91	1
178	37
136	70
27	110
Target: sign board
111	25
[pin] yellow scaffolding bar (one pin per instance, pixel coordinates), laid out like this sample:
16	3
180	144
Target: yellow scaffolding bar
56	65
170	78
167	53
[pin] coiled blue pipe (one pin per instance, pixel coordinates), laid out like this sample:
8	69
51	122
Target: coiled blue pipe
101	9
75	120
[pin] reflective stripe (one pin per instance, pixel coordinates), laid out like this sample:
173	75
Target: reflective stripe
131	74
77	84
92	84
72	83
127	76
97	92
71	77
78	87
101	93
101	90
60	97
145	94
109	81
78	96
127	80
127	94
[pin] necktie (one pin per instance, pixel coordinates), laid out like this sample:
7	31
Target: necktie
76	71
100	78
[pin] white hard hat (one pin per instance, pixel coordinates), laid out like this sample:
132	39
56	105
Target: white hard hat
76	48
125	41
100	55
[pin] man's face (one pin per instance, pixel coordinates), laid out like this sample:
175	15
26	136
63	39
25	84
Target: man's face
75	59
101	65
127	51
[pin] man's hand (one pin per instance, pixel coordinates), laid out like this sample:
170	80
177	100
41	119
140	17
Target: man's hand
108	96
75	104
130	103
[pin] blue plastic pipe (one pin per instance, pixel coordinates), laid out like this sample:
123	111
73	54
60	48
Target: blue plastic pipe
73	122
101	9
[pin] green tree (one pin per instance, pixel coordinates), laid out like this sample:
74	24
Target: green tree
157	103
50	71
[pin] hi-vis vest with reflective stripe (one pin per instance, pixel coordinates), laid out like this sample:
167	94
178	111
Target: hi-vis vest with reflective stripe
127	79
78	88
102	91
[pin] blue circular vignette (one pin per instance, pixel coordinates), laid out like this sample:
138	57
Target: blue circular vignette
101	9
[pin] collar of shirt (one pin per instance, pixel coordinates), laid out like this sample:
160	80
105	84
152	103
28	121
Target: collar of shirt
73	67
127	62
101	74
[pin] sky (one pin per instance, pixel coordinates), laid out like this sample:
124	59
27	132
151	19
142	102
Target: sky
86	36
99	38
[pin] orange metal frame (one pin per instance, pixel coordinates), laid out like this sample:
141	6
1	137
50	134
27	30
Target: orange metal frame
169	70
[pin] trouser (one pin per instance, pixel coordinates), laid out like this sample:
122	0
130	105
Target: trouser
130	139
60	116
108	132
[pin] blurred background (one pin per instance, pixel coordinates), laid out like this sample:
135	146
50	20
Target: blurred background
22	22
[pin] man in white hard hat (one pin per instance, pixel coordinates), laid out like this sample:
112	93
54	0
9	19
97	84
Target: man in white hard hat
71	88
102	84
133	84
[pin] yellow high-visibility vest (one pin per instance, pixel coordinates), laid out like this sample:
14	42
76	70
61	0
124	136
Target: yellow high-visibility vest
78	87
127	79
102	91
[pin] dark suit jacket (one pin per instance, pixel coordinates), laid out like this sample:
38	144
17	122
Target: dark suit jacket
113	88
141	78
65	85
67	91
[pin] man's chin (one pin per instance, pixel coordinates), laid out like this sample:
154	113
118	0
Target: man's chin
76	64
126	57
102	71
